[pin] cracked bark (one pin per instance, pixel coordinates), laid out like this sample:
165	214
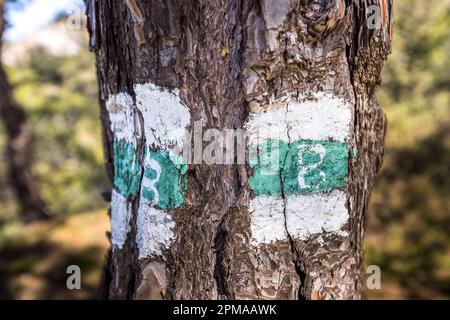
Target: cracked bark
227	57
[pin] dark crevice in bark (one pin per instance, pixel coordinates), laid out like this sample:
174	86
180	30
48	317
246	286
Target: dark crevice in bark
106	277
219	267
352	38
172	274
221	272
296	257
134	253
351	51
133	285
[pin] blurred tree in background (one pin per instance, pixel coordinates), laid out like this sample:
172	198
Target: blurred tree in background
61	98
19	143
409	219
59	93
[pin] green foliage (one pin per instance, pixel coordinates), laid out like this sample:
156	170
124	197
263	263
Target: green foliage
409	229
60	97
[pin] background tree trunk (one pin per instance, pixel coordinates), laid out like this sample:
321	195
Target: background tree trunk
19	148
307	69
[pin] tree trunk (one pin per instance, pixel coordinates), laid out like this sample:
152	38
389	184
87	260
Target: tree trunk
297	78
19	148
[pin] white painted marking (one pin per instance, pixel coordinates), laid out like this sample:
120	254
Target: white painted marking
306	215
267	219
155	230
322	117
166	119
151	183
123	117
165	116
120	219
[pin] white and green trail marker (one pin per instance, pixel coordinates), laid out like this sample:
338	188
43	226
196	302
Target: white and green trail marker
299	158
155	172
301	167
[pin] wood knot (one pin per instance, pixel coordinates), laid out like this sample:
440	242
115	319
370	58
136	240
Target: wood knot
318	18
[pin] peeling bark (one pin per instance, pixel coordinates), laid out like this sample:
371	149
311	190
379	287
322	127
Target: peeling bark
19	148
229	61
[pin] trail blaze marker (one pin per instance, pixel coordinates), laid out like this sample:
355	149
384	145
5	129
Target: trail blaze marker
163	181
302	167
127	168
155	173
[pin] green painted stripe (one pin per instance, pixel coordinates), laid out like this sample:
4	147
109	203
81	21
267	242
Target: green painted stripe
164	177
127	168
171	185
302	167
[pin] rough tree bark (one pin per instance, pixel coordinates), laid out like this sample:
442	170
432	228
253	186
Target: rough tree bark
19	148
301	73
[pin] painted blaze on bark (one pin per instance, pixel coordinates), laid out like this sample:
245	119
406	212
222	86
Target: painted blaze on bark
127	168
301	167
164	182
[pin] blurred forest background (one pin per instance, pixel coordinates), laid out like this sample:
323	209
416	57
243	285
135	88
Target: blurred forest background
408	233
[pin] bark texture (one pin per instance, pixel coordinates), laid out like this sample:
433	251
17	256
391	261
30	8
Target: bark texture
19	148
228	57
